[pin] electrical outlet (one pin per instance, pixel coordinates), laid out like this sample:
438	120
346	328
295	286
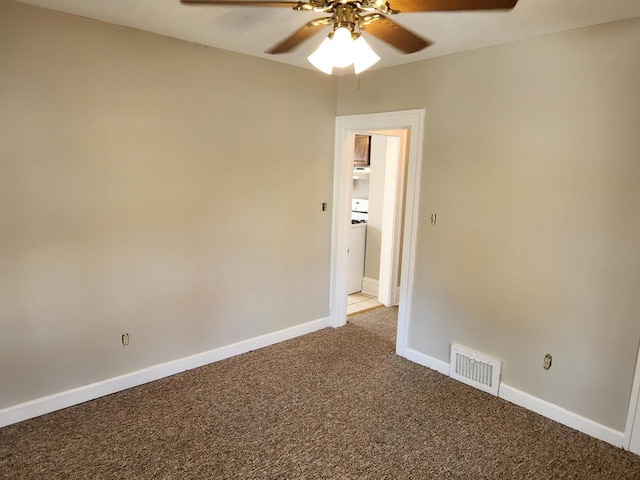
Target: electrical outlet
125	339
547	361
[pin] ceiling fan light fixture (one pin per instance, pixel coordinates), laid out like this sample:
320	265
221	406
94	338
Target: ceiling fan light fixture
344	46
340	50
364	56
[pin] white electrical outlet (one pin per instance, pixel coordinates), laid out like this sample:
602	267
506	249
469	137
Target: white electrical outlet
125	339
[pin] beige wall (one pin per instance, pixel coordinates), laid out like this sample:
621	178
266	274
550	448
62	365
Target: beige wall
153	186
532	162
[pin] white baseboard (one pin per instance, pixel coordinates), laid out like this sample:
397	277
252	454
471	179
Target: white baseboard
535	404
426	361
370	286
51	403
561	415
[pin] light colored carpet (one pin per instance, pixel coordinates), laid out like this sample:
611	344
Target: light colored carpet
335	404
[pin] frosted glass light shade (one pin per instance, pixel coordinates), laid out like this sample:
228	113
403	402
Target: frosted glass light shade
342	48
322	58
363	56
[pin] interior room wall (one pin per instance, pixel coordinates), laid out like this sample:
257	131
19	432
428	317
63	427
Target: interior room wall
360	189
155	187
531	163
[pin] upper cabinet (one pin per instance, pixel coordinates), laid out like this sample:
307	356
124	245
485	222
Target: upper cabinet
362	150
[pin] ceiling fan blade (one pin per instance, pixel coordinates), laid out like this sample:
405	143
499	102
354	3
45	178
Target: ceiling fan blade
449	5
395	35
241	3
300	35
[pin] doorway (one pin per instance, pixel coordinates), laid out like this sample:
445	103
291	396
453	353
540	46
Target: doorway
382	190
346	128
377	202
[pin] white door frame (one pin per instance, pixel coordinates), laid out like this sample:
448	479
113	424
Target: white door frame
346	127
394	187
633	414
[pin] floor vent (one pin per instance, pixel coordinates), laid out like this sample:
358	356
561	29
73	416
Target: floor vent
475	369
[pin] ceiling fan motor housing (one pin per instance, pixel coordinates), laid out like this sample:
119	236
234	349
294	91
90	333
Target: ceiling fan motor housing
345	15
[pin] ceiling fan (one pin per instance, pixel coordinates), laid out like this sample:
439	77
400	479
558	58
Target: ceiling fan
344	45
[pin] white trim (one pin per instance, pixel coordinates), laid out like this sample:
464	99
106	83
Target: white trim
401	188
412	197
426	361
51	403
535	404
561	415
391	222
346	127
342	192
633	420
370	286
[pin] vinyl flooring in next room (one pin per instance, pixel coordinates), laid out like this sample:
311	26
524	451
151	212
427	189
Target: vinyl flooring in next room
360	301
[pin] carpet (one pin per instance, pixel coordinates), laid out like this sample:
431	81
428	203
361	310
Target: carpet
334	404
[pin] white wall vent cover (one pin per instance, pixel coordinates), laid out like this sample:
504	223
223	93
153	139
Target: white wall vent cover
475	369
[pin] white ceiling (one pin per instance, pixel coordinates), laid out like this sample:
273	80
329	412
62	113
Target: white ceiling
251	30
